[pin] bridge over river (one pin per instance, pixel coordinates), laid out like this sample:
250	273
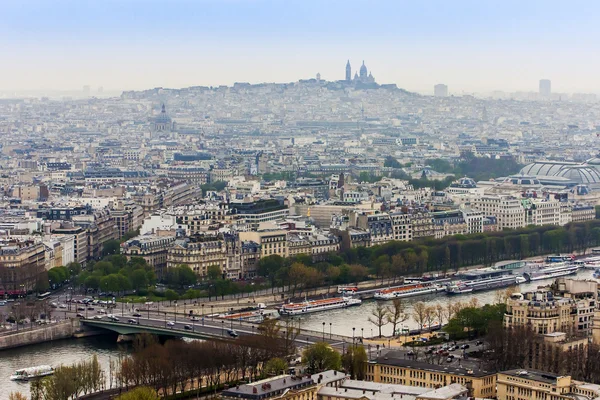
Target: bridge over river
210	329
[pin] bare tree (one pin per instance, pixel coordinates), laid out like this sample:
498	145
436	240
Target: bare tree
379	317
429	316
396	314
440	314
419	314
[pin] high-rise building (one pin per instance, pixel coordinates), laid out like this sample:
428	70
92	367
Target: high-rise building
440	90
86	90
545	87
348	72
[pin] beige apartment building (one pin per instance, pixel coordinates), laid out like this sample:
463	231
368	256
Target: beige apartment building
507	209
538	385
394	368
152	248
402	226
198	252
270	241
22	265
569	308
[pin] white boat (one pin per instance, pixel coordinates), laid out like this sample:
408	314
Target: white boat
483	279
26	374
256	316
407	291
310	306
550	271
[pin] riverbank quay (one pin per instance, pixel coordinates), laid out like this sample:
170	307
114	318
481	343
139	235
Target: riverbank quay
204	306
65	329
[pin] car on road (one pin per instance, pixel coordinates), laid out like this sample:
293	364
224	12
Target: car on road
136	314
194	319
80	315
112	318
171	323
62	306
187	327
80	308
410	353
2	303
464	346
91	308
232	333
478	343
449	359
132	321
97	317
101	311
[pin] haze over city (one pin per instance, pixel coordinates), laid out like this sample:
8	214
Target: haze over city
299	200
473	46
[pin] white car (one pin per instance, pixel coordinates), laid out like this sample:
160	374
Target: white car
62	306
170	323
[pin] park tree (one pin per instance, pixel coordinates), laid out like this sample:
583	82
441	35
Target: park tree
396	314
213	272
187	277
140	393
321	357
171	295
355	361
379	317
275	366
419	314
111	247
269	266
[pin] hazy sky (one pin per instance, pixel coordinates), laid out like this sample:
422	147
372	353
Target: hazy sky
477	45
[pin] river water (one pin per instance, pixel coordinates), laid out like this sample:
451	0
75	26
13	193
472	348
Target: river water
337	321
55	353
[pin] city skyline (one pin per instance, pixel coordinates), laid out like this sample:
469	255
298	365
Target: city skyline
133	45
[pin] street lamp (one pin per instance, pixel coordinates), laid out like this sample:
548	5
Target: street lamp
362	334
212	313
353	329
203	311
323	330
330	330
175	312
222	328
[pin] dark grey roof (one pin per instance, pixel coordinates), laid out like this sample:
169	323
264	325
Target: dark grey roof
395	358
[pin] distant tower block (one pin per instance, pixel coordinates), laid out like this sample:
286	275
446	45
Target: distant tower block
545	87
440	90
318	77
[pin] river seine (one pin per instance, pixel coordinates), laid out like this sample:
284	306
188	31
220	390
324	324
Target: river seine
106	349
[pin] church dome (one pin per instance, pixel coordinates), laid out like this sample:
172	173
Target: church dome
465	182
363	70
163	117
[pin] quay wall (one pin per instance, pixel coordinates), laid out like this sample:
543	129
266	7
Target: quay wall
46	333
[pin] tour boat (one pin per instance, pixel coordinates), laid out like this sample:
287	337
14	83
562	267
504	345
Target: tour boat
484	279
26	374
256	316
310	306
407	291
549	271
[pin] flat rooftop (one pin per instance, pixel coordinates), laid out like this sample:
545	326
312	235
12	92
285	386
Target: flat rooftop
538	376
396	358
